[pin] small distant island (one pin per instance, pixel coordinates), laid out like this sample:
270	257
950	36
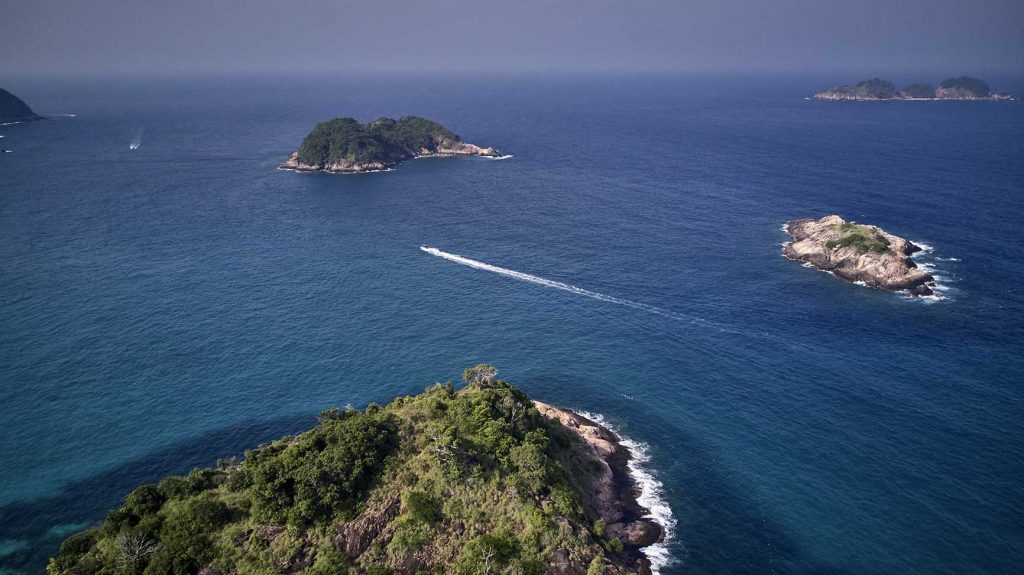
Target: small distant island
14	109
858	253
477	480
344	145
962	88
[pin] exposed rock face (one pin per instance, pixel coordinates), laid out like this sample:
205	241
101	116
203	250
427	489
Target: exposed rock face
344	167
885	263
461	149
356	536
612	493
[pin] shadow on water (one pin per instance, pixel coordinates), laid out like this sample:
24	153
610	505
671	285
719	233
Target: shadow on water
33	530
722	527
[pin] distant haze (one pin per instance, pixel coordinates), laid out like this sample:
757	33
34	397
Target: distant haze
146	36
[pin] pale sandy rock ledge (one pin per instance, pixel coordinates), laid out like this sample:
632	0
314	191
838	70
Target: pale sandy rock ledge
344	167
863	254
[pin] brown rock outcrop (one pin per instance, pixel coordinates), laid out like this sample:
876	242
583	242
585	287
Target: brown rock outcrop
820	244
356	536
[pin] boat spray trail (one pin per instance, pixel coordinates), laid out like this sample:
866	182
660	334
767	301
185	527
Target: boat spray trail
559	285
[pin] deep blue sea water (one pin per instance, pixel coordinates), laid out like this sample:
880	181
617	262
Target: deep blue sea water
163	307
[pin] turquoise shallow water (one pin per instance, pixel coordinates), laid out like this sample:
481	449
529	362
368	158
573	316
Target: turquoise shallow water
163	307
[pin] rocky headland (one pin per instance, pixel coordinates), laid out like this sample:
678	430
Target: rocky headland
14	109
473	480
858	253
344	145
961	88
612	492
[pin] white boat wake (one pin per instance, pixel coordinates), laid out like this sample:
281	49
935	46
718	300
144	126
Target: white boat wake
560	285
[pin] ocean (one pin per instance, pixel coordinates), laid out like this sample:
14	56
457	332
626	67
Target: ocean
165	306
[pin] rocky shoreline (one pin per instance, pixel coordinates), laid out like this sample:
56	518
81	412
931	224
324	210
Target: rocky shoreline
463	149
862	254
613	493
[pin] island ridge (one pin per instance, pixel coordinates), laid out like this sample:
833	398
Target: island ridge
343	145
962	88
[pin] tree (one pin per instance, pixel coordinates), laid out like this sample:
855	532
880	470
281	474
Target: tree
132	549
489	553
480	375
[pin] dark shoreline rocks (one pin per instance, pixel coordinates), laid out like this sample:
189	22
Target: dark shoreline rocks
858	253
613	492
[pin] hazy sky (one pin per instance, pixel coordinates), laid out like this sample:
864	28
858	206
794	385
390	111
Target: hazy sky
101	36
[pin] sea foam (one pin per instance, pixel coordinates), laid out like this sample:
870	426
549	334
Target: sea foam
652	493
927	261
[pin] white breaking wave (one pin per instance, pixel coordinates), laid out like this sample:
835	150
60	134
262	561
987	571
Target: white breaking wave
560	285
925	248
652	494
940	287
505	157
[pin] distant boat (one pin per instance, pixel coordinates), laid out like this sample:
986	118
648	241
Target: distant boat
136	142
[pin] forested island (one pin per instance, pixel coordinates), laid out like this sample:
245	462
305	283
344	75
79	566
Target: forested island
859	253
962	88
477	480
14	109
344	145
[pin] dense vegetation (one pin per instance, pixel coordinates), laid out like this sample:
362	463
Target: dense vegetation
919	91
385	141
861	238
467	481
12	108
874	88
965	86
